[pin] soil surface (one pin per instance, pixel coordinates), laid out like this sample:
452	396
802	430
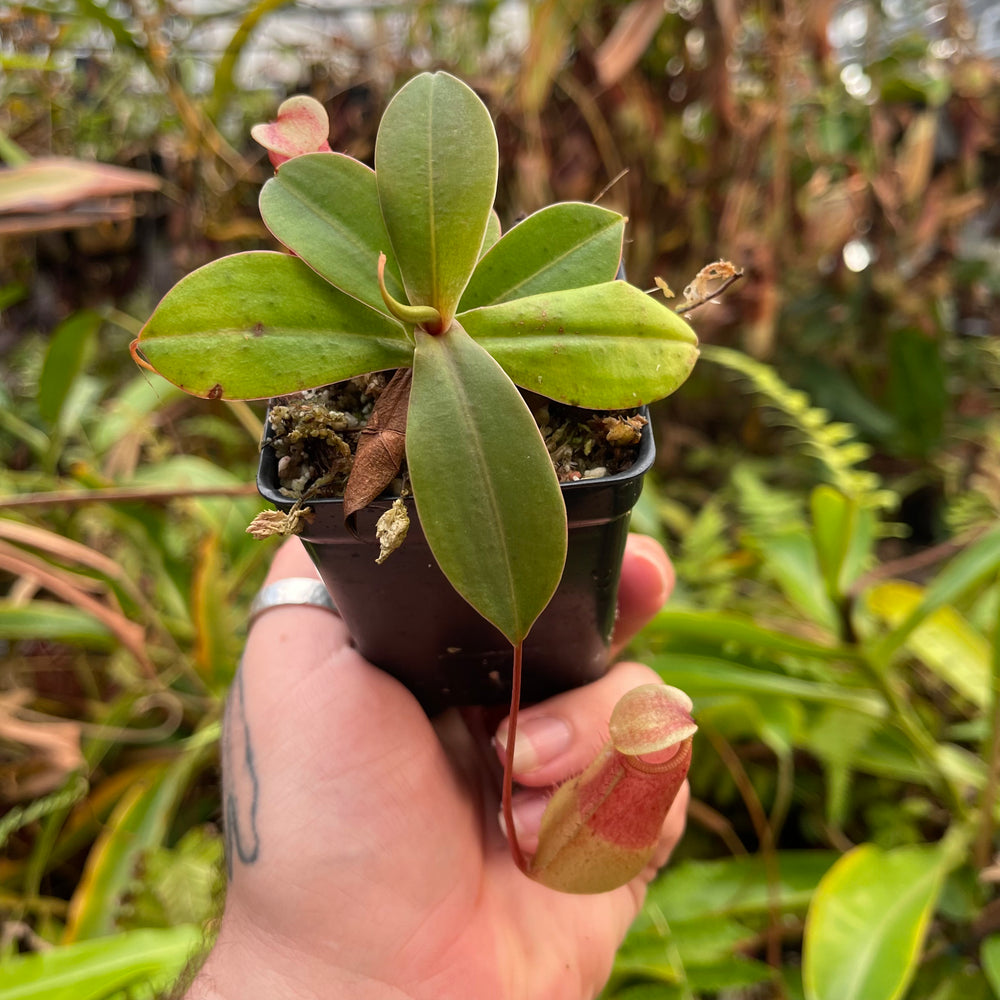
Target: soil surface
316	434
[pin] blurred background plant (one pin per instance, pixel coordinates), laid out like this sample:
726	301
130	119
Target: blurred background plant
833	520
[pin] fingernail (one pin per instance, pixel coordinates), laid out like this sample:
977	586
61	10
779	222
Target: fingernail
538	741
527	809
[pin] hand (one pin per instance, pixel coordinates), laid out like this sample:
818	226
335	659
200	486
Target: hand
366	859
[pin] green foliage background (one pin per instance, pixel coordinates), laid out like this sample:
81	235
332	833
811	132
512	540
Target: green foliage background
828	482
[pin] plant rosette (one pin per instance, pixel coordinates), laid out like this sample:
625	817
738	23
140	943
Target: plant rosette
404	269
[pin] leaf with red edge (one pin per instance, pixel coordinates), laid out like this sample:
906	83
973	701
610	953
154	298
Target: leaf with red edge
302	126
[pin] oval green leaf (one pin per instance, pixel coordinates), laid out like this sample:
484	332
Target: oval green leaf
492	233
436	171
263	324
606	346
487	495
867	922
563	246
324	207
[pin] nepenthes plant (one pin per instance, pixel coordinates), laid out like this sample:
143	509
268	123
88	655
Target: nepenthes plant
404	269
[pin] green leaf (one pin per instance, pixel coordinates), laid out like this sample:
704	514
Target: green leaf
324	207
834	523
492	233
917	390
989	956
64	360
563	246
486	492
436	165
721	628
788	556
709	675
968	569
54	622
93	970
139	824
867	922
263	324
736	887
944	641
605	346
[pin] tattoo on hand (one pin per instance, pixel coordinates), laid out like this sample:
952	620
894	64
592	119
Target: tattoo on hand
239	782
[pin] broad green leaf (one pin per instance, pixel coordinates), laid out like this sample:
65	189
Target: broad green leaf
606	346
968	569
833	520
436	167
64	361
867	923
944	641
492	233
563	246
721	628
53	622
711	675
789	558
324	207
989	956
686	945
93	970
263	324
736	887
487	495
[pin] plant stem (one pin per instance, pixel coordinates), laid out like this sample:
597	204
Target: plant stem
508	765
984	839
921	741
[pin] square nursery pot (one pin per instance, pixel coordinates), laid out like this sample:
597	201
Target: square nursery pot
406	618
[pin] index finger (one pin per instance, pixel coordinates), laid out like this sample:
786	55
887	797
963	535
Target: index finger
647	580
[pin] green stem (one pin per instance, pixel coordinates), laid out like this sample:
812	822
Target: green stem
921	741
991	753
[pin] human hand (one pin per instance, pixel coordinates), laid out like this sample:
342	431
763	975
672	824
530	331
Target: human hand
365	855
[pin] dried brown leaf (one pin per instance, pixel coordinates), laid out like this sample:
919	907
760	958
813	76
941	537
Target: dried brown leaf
381	446
44	752
628	40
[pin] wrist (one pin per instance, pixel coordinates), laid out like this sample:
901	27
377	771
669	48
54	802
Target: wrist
238	968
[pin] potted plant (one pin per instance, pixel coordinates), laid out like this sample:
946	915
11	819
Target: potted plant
403	269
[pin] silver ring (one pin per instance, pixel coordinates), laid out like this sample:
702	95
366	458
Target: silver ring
292	590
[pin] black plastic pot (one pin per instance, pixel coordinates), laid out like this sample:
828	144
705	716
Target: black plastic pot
407	618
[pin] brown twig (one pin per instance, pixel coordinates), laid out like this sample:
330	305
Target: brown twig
686	307
124	494
765	835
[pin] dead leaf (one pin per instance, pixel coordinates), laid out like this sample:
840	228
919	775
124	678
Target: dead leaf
61	582
53	183
276	522
381	446
38	756
628	40
391	530
57	193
